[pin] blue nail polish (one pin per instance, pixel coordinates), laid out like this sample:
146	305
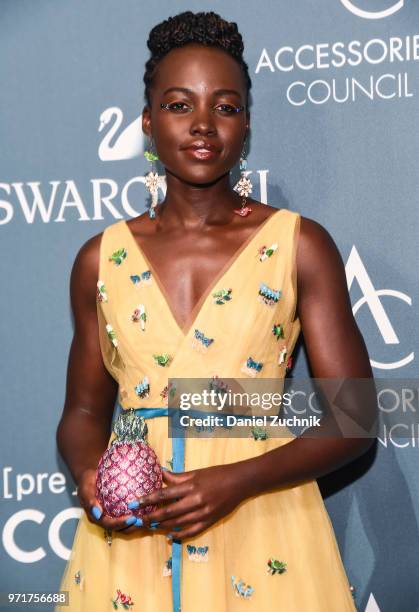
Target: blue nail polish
165	469
139	522
96	512
131	520
154	524
177	528
133	505
169	535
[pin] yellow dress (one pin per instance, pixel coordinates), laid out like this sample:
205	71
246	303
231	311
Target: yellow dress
226	568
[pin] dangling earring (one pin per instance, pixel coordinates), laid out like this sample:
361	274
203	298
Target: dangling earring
243	187
152	178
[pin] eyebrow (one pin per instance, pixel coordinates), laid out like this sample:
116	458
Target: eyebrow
218	92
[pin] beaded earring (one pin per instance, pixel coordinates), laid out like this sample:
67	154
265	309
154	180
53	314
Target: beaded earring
152	178
243	187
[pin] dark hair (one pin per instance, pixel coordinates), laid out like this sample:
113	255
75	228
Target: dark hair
202	28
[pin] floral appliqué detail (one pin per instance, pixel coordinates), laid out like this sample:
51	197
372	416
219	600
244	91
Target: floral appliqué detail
162	360
200	342
352	590
218	385
101	294
241	589
122	600
139	315
251	367
278	330
118	256
222	296
268	296
259	433
164	395
282	355
167	569
198	554
79	580
111	334
266	252
276	567
143	388
142	280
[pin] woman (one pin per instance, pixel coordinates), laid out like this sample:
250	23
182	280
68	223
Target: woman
246	515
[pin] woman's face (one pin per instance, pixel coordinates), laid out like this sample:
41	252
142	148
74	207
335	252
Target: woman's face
198	135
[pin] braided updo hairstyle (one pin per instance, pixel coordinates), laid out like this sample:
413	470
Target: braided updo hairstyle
202	28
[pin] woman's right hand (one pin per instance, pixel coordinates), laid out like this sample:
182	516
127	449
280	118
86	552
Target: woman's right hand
86	492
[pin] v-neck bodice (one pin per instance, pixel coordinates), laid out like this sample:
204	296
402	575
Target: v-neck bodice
239	252
243	324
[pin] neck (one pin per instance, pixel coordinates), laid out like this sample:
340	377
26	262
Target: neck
193	206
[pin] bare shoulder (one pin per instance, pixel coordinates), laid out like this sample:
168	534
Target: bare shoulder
85	273
317	252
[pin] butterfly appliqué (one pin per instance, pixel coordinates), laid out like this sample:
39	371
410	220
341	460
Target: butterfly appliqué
267	295
142	280
251	367
200	342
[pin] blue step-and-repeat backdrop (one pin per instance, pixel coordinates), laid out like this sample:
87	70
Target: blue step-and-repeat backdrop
335	123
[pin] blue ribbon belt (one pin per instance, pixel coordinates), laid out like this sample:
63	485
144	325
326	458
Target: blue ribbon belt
178	448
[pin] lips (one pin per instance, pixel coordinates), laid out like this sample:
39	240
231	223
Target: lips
201	145
201	150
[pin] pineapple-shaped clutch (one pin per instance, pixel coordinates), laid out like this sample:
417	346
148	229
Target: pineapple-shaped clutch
128	469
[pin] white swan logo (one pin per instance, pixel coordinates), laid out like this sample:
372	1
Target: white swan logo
348	4
128	144
355	269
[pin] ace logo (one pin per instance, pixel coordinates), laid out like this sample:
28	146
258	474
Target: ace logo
379	14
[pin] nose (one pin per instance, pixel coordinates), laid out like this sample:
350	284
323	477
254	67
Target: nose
202	121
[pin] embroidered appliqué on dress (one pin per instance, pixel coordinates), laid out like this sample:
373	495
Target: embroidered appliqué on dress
278	330
111	334
251	368
268	296
276	567
266	252
118	256
259	433
241	589
222	296
282	355
79	580
139	314
198	554
101	294
164	395
143	388
122	601
167	569
218	385
162	360
142	280
200	342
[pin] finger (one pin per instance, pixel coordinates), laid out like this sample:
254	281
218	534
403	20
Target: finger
170	511
188	531
176	477
181	520
159	496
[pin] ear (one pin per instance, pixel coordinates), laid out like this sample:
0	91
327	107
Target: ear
146	121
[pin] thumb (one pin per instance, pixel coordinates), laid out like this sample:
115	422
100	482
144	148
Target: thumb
173	477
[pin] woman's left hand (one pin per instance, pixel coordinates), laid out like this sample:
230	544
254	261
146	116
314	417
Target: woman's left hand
197	499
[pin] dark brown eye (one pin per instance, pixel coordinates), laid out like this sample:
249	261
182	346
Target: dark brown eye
228	109
177	107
